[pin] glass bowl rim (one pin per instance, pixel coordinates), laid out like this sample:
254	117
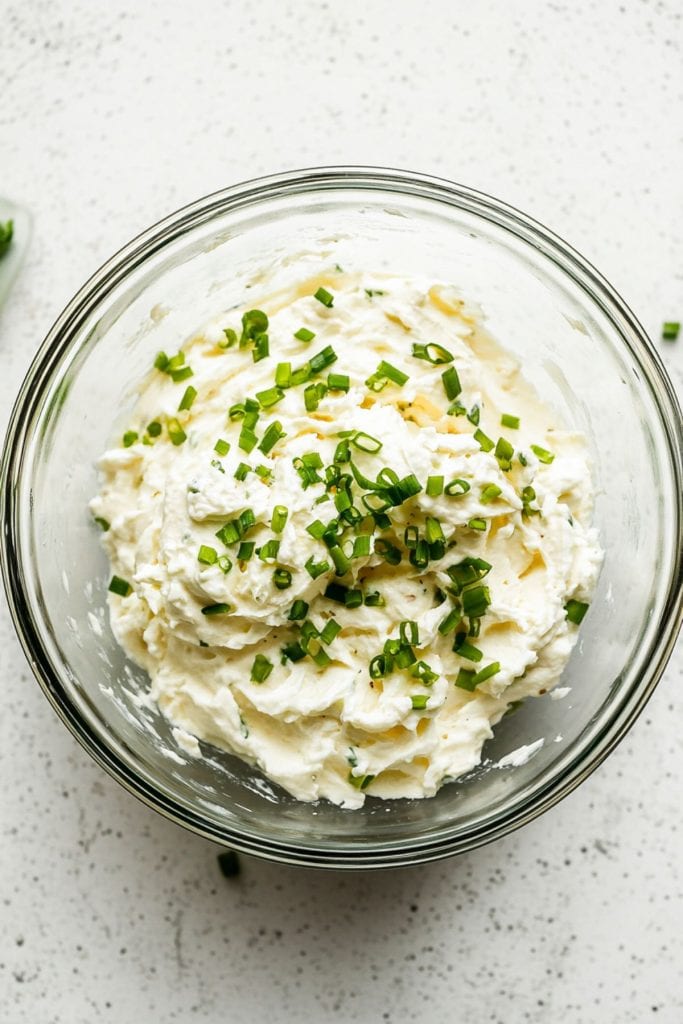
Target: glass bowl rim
58	344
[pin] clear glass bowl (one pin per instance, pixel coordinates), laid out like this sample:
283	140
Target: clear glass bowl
580	346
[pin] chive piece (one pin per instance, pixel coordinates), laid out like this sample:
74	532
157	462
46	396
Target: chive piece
283	375
221	446
670	330
424	673
477	524
434	486
176	432
409	633
576	611
353	598
379	666
387	477
230	338
473	415
489	493
175	362
315	569
504	453
188	398
365	442
456	409
229	864
419	701
342	564
404	657
154	428
322	295
129	438
465	650
475	600
450	622
342	452
486	673
294	651
466	679
282	578
321	360
254	324
330	630
269	550
247	440
376	383
270	397
386	550
161	361
392	373
336	592
224	564
456	488
119	586
338	381
433	353
411	536
261	349
264	472
360	781
470	570
236	411
103	524
273	434
241	471
299	610
279	518
433	530
300	376
451	383
361	546
216	609
485	442
229	534
420	556
207	555
522	458
408	487
474	628
178	376
245	550
542	454
312	397
261	669
316	529
506	420
303	334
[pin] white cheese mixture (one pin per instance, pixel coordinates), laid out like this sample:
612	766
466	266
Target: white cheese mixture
437	613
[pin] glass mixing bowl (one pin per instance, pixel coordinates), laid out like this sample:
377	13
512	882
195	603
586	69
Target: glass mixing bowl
579	345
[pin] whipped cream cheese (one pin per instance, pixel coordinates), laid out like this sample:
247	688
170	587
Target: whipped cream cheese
347	582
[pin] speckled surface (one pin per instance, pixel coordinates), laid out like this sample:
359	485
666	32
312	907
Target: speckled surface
112	115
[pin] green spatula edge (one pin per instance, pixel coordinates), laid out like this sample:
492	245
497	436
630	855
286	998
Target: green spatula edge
13	258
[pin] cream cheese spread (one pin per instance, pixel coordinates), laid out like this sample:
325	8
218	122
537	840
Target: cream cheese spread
347	536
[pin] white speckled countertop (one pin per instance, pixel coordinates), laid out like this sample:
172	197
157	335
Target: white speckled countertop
114	114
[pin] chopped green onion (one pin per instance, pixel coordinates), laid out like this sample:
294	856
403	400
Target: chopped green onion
424	673
299	610
188	398
387	551
434	486
504	453
485	442
437	549
178	376
451	383
489	493
419	701
230	338
270	397
261	348
322	295
365	442
404	657
411	536
251	412
154	428
283	375
282	578
360	781
103	524
229	533
506	420
119	586
261	669
236	412
294	651
300	376
216	609
175	362
670	330
353	598
161	361
269	550
575	611
303	334
241	471
247	440
420	556
465	650
279	518
264	472
315	569
474	628
456	488
486	673
330	630
475	600
221	446
336	592
433	353
254	325
316	529
129	438
361	546
207	555
342	564
466	679
392	373
408	487
224	563
246	550
338	381
379	666
376	383
477	524
433	530
470	570
452	620
456	408
273	434
542	454
175	432
313	395
409	633
321	360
